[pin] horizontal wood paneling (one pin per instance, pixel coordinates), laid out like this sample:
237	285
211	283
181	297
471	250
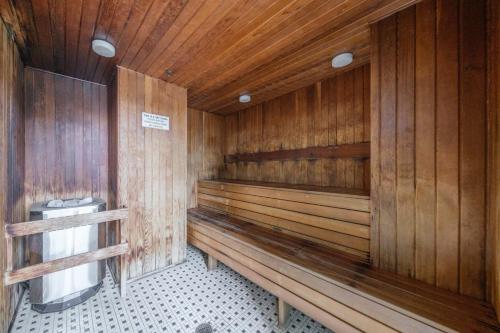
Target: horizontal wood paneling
330	112
205	150
215	48
429	146
11	160
66	138
337	220
150	170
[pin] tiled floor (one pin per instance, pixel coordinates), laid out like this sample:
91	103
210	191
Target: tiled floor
178	299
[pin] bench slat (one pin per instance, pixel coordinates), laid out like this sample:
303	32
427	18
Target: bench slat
407	298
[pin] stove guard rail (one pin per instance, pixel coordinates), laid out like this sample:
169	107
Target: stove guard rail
12	276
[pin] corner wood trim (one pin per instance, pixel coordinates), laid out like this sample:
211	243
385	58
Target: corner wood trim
355	150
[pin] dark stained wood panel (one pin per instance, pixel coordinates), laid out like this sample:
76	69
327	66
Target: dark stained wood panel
12	208
149	170
429	144
216	49
493	230
332	112
66	123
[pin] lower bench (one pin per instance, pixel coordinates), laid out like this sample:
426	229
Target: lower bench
340	291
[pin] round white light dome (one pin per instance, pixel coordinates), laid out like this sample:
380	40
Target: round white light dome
103	48
245	98
342	60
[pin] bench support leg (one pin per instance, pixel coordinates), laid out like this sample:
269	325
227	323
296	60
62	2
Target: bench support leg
283	312
211	263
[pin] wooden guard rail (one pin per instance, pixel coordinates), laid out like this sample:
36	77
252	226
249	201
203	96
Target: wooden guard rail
34	227
355	150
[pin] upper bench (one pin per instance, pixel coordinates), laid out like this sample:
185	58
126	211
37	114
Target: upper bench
337	218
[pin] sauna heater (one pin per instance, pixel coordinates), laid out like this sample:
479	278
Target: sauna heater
63	289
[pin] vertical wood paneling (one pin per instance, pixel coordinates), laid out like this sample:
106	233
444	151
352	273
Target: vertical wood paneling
66	149
425	173
428	121
330	112
151	170
12	207
205	147
493	230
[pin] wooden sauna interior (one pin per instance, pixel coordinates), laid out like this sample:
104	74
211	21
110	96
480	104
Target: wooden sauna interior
367	196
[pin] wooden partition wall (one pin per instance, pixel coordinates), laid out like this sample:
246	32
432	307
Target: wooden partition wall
329	113
429	144
148	169
11	158
66	137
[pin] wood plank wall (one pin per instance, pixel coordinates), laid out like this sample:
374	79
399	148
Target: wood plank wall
205	150
66	137
11	158
429	144
494	153
331	112
150	170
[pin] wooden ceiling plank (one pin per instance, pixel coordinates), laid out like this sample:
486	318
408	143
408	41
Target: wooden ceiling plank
386	8
247	44
90	13
58	28
72	35
314	72
105	17
285	37
169	56
360	14
137	14
293	82
153	15
163	25
190	9
203	21
113	35
44	35
321	50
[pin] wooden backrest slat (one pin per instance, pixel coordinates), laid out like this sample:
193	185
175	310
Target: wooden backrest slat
338	220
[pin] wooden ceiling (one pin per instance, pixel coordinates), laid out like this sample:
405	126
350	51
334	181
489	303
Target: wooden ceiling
215	48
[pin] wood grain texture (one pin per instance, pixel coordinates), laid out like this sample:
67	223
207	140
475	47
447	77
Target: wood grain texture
205	150
47	267
343	223
150	170
215	48
66	138
332	112
58	223
344	288
428	147
493	165
12	208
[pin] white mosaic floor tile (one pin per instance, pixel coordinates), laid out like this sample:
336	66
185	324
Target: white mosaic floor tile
176	300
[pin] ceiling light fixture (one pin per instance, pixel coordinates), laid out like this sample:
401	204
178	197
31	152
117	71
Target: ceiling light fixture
342	60
245	98
103	48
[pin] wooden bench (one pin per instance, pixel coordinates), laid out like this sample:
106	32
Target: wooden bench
322	278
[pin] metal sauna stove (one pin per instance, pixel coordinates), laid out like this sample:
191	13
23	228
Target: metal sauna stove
60	290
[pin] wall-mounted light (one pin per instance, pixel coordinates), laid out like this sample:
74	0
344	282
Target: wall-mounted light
245	98
103	48
342	60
